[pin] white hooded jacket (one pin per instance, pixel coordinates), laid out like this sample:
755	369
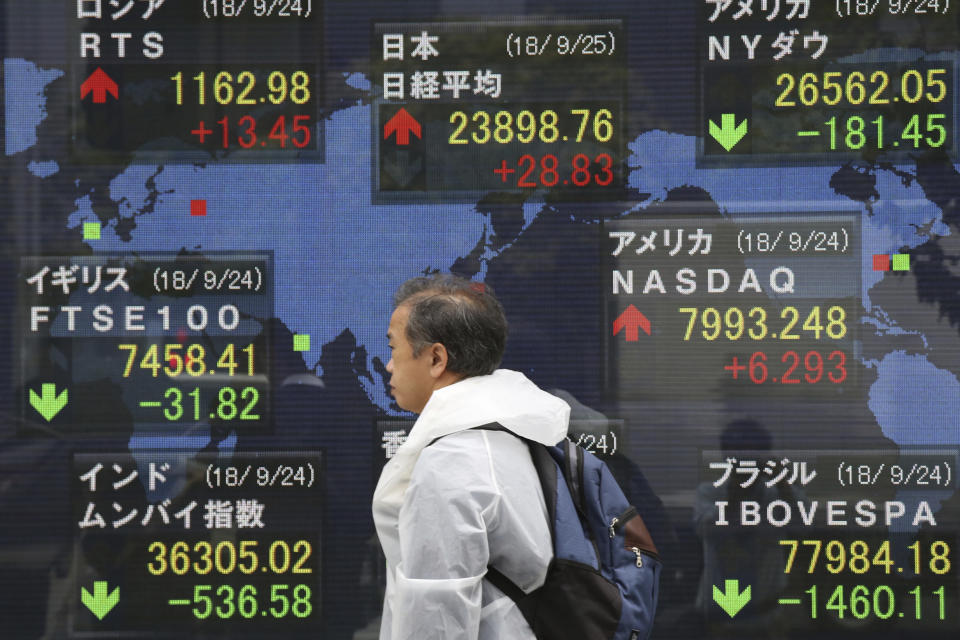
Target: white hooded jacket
445	512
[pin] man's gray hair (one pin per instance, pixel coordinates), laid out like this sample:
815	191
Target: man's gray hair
462	315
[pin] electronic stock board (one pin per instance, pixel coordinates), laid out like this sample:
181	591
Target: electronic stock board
724	231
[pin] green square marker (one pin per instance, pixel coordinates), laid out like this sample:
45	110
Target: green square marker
301	342
901	262
91	230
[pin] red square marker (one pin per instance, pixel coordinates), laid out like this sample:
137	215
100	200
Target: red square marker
881	262
198	207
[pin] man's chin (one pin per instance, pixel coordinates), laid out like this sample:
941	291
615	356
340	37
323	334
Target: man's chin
396	401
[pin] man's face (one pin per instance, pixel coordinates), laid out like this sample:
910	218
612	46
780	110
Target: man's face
411	383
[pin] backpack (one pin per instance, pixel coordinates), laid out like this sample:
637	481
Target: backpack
603	581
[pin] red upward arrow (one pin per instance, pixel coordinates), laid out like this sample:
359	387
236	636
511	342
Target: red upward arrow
632	320
403	124
101	84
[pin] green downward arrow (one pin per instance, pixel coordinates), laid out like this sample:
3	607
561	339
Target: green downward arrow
730	133
100	603
731	600
48	403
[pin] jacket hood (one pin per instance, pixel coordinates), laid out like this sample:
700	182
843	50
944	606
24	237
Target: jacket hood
505	396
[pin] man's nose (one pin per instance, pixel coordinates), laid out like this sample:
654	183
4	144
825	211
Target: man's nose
390	366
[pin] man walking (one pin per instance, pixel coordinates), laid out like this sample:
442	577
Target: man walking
447	508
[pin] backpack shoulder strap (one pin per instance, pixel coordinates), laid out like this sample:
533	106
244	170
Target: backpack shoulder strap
547	474
573	474
505	584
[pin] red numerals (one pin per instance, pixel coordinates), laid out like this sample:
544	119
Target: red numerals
812	367
282	133
547	171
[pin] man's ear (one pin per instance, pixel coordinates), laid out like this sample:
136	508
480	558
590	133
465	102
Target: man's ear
438	359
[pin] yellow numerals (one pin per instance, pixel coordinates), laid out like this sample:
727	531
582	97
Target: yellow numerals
734	323
227	557
857	557
181	359
240	89
503	127
856	87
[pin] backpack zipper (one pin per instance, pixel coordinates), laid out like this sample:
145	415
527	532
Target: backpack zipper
617	521
623	517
